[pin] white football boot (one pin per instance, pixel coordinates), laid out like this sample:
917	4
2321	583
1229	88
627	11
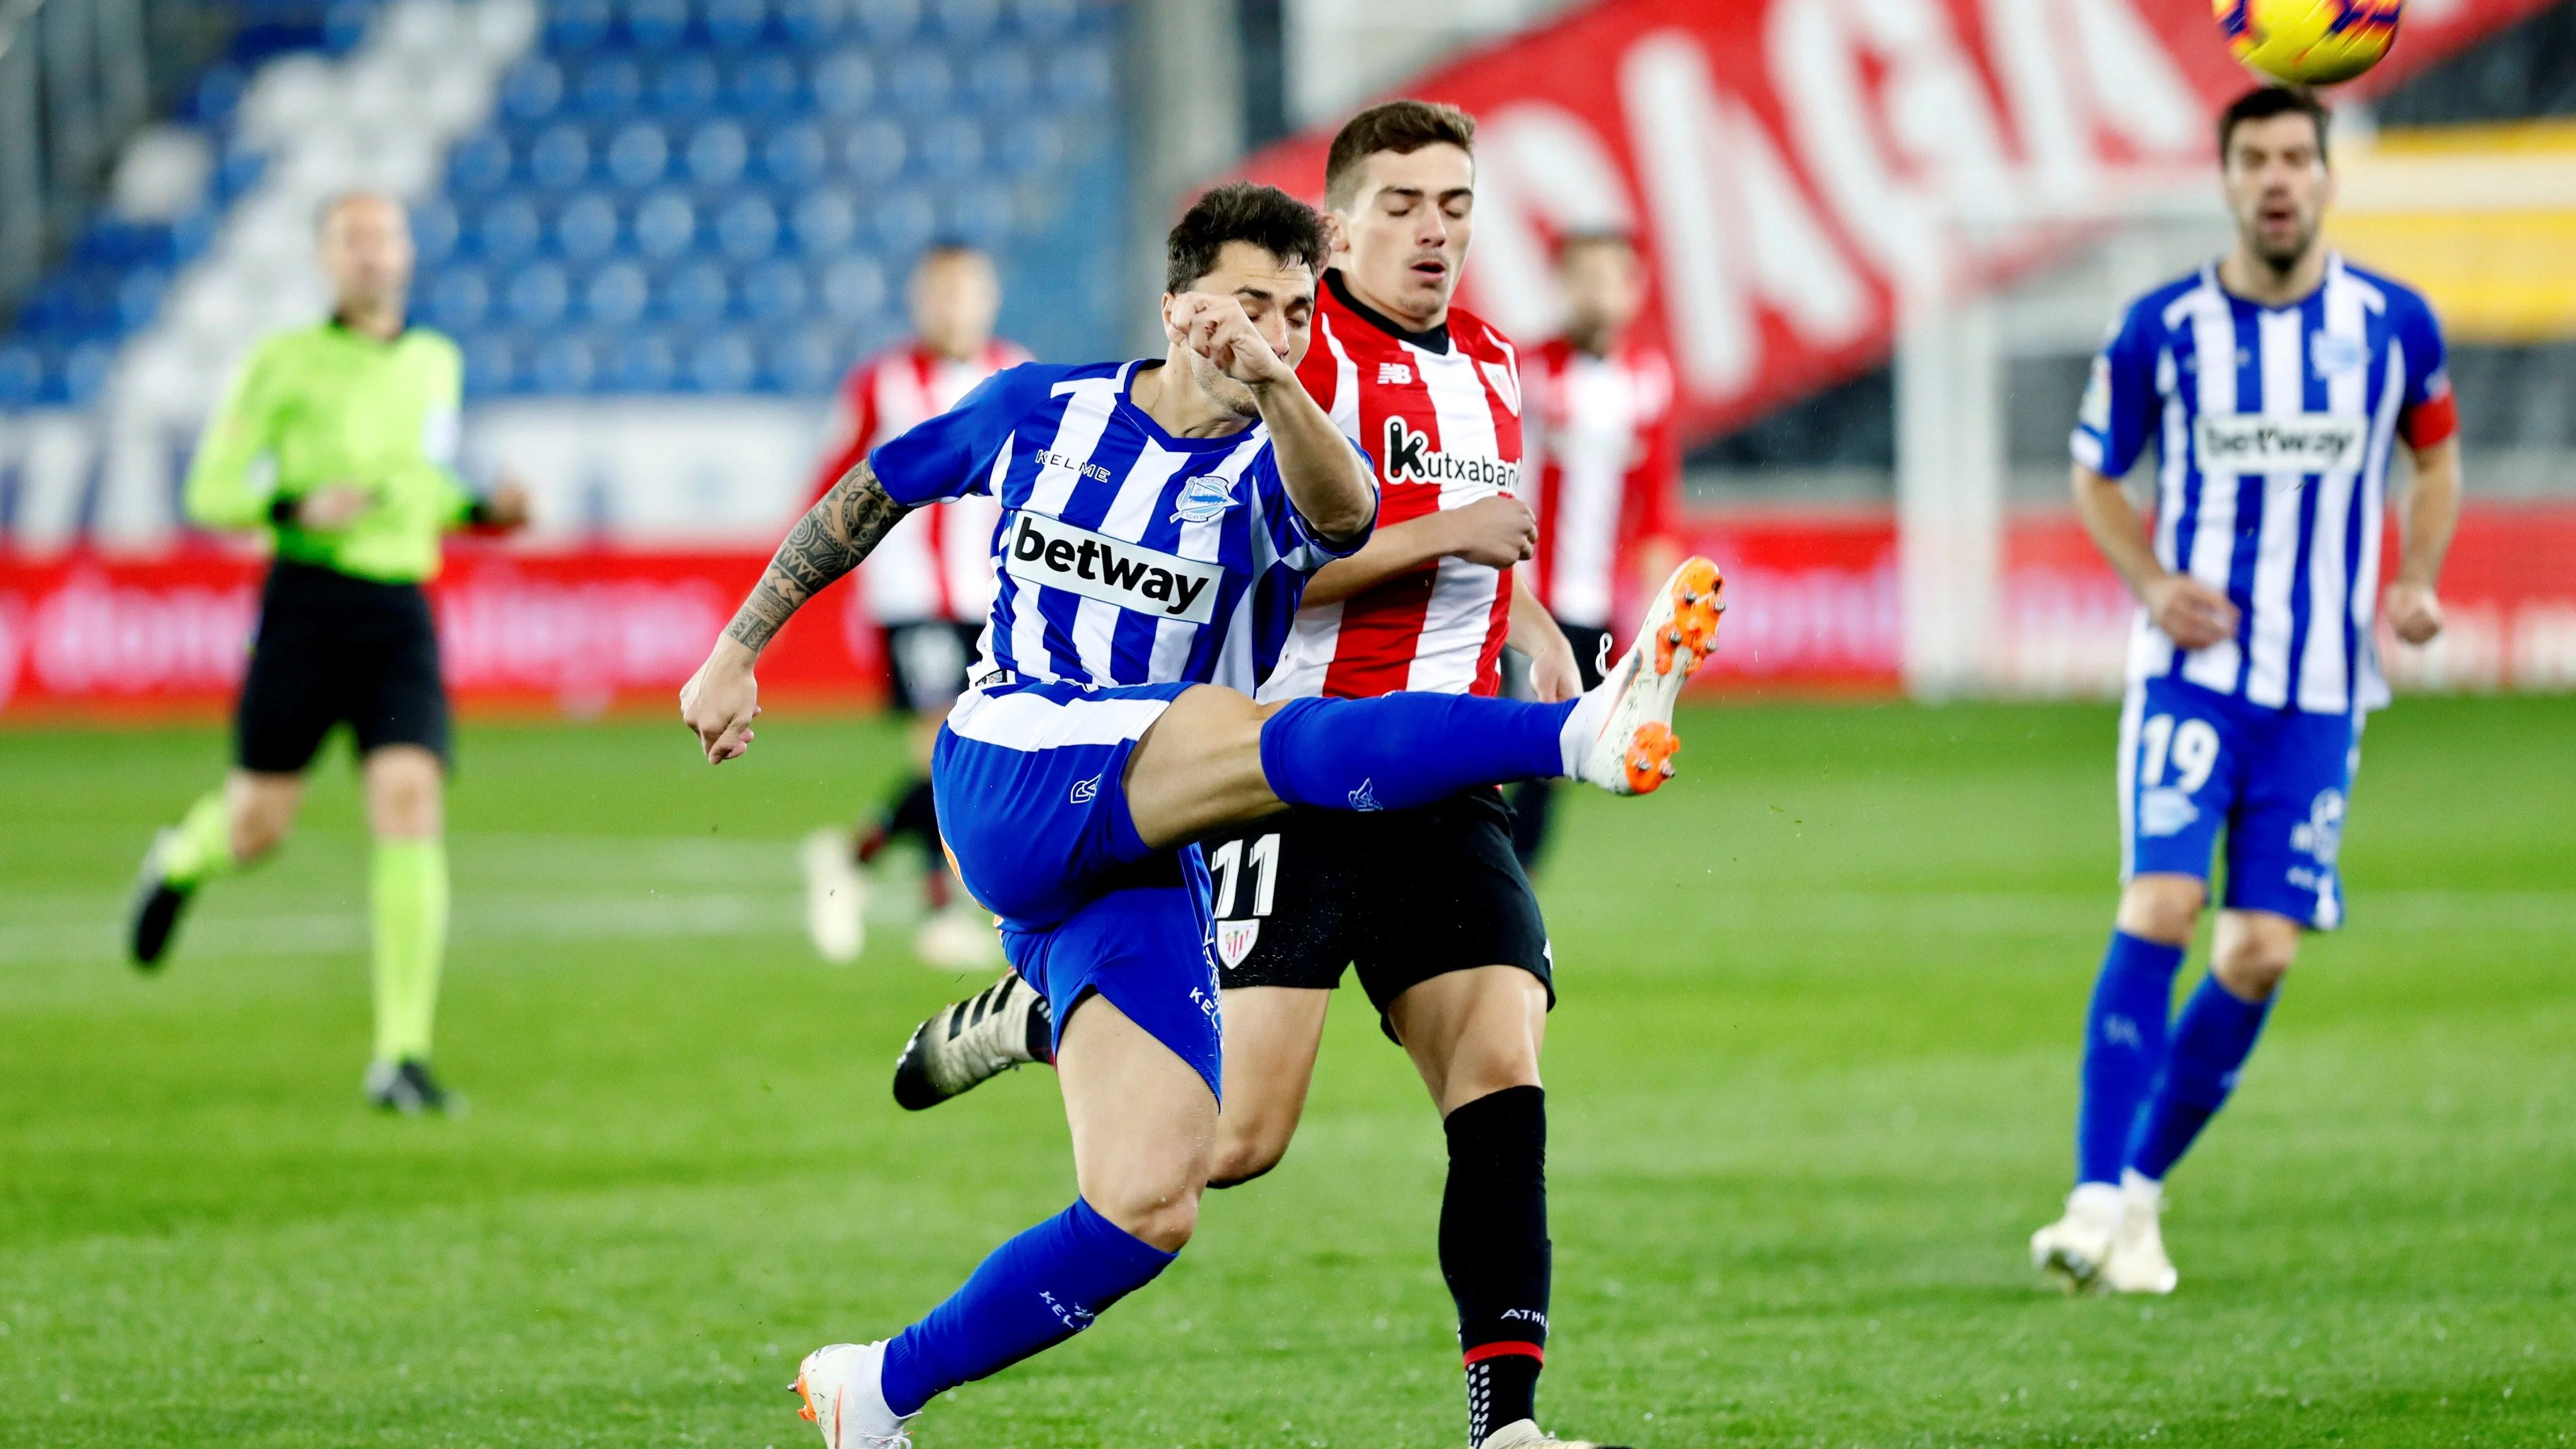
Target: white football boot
2138	1263
836	897
1620	736
958	937
843	1387
1526	1434
2073	1249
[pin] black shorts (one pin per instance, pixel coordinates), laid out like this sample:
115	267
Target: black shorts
331	648
1404	895
926	662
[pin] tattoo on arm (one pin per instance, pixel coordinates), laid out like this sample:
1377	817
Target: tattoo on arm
829	541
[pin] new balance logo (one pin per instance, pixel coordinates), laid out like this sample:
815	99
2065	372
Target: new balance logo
1364	798
1394	374
1410	458
1054	554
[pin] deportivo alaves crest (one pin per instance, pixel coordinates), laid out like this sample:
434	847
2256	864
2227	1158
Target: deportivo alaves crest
1204	499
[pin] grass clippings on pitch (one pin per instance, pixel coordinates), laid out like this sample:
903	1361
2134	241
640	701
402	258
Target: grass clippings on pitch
1811	1078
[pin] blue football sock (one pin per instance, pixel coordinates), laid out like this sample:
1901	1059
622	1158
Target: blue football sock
1401	750
2124	1049
2211	1040
1034	1292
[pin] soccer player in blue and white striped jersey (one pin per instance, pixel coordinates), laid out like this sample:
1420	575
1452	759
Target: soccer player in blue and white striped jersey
1159	520
2276	385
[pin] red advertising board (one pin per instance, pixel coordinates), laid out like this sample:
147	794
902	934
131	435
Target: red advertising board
1791	166
1812	606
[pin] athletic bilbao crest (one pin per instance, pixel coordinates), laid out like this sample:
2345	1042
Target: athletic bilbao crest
1234	940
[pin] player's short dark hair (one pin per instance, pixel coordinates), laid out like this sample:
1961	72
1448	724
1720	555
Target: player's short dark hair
1247	212
2265	102
1402	127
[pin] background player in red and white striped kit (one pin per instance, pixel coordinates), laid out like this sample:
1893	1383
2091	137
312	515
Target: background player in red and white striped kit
1604	464
925	590
1429	903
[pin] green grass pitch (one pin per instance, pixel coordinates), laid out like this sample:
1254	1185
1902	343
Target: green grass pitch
1812	1078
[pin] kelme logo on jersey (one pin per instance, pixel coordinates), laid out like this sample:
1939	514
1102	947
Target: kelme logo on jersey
1055	554
2309	443
1410	458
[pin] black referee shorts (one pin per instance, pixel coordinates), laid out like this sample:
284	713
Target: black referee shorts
926	661
1403	895
331	648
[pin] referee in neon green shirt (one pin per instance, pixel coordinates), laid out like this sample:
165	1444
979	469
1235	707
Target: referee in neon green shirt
359	417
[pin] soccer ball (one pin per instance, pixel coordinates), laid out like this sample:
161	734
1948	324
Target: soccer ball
2309	42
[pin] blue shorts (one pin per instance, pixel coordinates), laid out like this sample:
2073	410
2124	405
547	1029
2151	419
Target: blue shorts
2192	761
1032	805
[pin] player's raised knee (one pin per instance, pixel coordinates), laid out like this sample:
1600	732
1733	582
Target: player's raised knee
1163	1213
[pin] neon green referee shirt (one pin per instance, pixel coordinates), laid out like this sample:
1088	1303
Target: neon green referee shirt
331	404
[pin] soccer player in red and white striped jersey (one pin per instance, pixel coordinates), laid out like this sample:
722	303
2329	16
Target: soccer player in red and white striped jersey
925	590
1605	467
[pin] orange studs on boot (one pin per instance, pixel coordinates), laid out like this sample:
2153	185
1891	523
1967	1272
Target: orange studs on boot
1699	597
1650	756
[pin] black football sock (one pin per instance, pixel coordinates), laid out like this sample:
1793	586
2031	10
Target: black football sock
914	815
1494	1251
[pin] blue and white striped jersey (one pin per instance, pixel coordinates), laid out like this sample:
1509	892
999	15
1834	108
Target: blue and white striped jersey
2273	428
1125	555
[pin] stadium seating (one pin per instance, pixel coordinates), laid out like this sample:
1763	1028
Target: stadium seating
610	196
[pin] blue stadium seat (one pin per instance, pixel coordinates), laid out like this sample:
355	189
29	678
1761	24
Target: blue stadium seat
642	363
616	295
845	83
577	25
807	361
824	221
665	225
22	375
978	213
433	231
344	24
723	363
480	162
716	154
966	22
1044	19
950	147
747	228
809	23
854	288
531	89
586	229
657	24
459	300
687	85
920	82
639	155
873	152
216	95
508	230
774	292
696	295
491	364
999	79
766	84
538	295
610	87
1080	76
903	221
560	159
85	371
1030	147
138	297
885	21
795	156
563	364
737	24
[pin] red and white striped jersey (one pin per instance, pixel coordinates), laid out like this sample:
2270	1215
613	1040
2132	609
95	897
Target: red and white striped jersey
1606	467
1440	412
938	563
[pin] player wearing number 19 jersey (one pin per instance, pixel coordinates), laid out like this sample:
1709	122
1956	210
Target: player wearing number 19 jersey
2275	385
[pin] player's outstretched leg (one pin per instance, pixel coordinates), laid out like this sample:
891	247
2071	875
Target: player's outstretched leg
1144	1125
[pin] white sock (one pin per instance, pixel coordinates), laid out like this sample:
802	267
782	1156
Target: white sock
1583	727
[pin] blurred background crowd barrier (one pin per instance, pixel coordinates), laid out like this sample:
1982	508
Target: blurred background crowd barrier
1885	239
